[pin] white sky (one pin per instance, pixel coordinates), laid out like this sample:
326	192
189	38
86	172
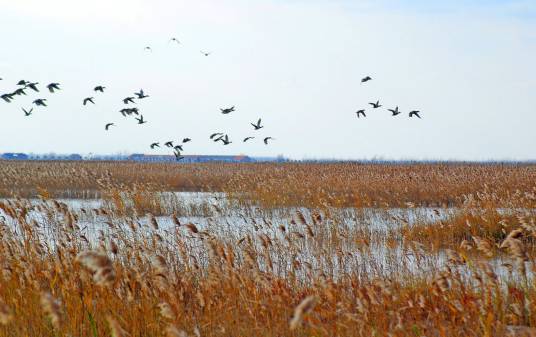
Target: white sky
469	67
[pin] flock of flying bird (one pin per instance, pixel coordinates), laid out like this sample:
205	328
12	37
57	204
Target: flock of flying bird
377	105
23	86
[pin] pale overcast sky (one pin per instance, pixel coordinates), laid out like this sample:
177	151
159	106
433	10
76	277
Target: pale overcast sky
468	66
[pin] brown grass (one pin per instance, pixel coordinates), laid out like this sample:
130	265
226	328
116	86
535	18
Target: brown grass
311	185
120	271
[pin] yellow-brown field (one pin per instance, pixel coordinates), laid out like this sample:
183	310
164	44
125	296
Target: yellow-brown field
269	250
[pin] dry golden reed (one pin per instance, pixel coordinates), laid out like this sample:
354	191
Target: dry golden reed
291	250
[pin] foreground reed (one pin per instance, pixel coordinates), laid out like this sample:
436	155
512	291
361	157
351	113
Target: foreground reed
244	270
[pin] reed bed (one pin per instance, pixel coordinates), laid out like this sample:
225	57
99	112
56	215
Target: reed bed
305	185
268	261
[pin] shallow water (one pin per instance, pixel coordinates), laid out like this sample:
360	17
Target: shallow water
227	220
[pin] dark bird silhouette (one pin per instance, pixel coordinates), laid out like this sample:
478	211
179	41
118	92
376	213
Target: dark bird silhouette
129	111
217	139
173	39
366	79
141	120
375	105
228	110
257	126
107	126
7	97
40	102
226	140
267	139
32	86
178	156
414	113
88	99
27	112
99	88
248	138
19	91
206	53
178	147
186	140
53	86
361	112
395	111
169	144
154	145
141	94
22	82
129	100
215	134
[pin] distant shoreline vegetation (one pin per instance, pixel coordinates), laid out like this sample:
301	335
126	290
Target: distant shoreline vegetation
139	157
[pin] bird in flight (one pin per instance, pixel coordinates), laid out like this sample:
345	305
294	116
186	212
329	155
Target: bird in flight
99	88
141	94
40	102
248	138
129	100
107	126
177	154
395	111
88	99
153	145
361	112
32	86
186	140
366	79
141	120
53	86
27	112
148	49
414	113
7	97
257	126
226	140
215	134
19	91
129	111
169	144
206	53
267	139
22	82
375	105
178	147
228	110
174	39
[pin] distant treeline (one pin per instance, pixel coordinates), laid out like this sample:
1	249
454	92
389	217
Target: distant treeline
246	159
139	158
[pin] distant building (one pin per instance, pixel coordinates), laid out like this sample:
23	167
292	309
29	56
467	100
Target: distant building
14	156
54	156
49	156
73	156
138	157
